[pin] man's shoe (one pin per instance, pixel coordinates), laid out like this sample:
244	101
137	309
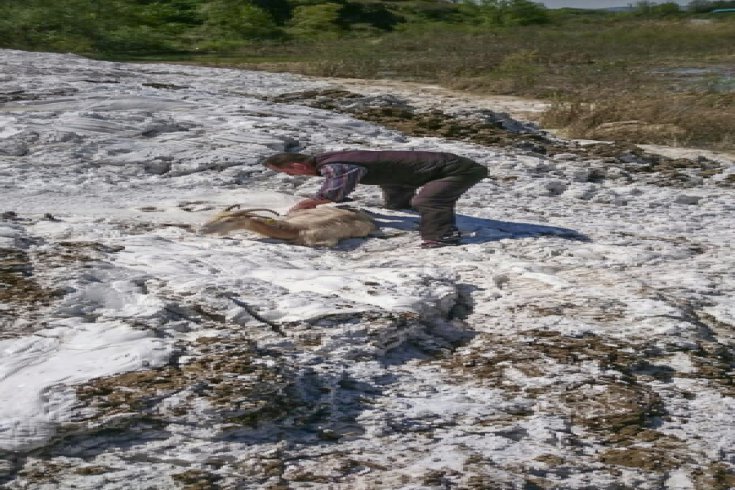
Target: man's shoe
449	239
439	243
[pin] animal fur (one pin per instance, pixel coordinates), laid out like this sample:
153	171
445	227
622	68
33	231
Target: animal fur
322	226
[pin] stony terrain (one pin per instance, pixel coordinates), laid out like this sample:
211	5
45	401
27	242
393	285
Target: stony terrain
582	336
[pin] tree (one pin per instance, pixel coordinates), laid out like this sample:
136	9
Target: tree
506	12
648	8
668	8
524	12
237	20
316	21
279	10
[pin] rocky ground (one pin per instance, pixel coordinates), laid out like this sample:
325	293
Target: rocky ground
581	337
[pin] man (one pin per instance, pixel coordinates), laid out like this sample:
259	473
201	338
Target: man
440	178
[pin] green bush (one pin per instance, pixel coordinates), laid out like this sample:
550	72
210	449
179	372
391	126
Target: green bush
522	69
315	21
651	9
233	20
505	12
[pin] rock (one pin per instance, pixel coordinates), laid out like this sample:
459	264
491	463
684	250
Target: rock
580	175
583	192
687	199
157	167
565	156
6	468
556	187
530	146
13	148
608	196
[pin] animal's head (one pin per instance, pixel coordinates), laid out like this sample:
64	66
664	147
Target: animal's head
233	219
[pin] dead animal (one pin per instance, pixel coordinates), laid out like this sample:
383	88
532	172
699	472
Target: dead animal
323	226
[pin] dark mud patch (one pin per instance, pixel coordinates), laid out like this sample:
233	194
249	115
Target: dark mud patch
17	284
30	279
661	455
490	128
197	480
657	169
529	353
242	386
613	408
717	476
21	293
713	358
606	388
61	254
613	405
23	95
715	362
482	127
44	472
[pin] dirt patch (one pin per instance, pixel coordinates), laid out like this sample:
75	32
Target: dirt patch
197	480
21	293
613	408
614	405
24	95
244	386
715	362
482	127
644	458
92	470
27	275
527	354
664	171
717	476
42	472
606	391
62	254
17	284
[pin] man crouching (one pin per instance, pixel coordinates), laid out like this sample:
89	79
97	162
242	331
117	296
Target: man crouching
440	178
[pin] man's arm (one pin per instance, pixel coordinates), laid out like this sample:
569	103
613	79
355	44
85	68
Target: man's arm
309	203
340	180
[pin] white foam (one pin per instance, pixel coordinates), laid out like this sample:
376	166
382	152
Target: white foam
36	371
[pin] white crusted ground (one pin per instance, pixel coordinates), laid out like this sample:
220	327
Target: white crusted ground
582	337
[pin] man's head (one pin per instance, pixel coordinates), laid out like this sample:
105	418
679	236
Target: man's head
291	164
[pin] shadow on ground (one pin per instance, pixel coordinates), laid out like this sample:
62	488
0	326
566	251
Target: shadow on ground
481	230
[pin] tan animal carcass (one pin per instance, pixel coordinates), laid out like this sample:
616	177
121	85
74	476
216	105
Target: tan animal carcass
322	226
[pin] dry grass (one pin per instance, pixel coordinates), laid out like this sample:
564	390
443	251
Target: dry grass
668	119
673	76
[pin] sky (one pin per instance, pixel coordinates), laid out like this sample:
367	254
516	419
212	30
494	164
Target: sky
595	4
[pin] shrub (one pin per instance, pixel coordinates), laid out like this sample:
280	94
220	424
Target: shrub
233	20
522	69
315	21
651	9
505	12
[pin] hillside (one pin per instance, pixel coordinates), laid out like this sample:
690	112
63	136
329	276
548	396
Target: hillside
581	337
657	74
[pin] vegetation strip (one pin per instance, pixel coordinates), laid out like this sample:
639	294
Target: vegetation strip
659	74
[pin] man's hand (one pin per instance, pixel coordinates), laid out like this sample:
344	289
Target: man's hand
309	203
